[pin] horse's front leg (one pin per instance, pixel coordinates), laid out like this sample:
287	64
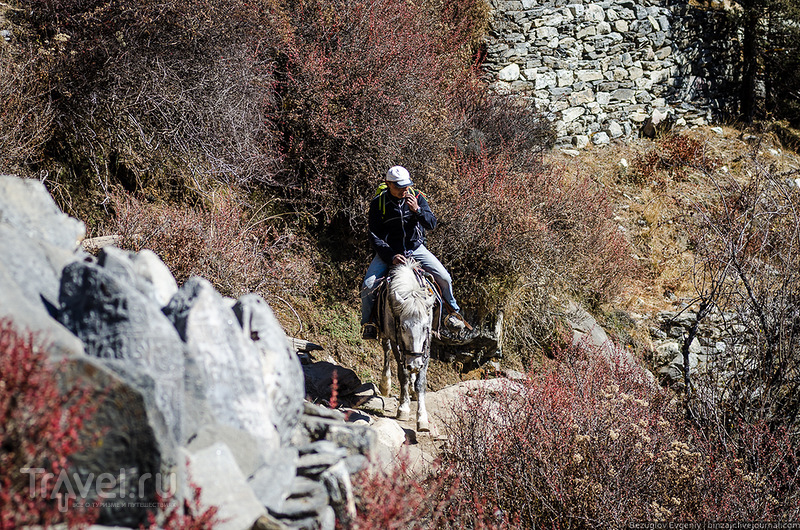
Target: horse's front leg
404	408
423	424
385	386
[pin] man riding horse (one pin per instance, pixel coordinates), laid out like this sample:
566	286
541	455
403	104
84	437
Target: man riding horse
398	219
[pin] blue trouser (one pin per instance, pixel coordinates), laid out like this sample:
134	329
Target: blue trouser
377	269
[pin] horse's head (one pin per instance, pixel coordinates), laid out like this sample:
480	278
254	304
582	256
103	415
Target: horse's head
412	307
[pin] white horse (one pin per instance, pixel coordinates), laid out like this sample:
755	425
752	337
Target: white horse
407	317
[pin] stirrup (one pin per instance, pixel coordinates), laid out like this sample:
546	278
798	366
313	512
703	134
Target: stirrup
369	331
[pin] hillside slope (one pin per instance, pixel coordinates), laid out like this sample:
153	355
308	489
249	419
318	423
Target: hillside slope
658	217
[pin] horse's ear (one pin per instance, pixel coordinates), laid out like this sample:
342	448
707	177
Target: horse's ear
397	298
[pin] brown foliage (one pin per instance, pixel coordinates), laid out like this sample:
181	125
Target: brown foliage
674	154
26	116
587	443
237	252
514	236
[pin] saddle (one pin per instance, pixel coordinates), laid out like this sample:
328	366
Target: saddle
426	280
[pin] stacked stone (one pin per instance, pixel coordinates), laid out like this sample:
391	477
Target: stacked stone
721	341
598	69
190	385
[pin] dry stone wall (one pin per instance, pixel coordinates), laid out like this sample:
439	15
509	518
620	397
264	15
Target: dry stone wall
599	70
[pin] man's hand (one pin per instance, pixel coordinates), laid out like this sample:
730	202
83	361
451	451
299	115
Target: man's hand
399	259
411	201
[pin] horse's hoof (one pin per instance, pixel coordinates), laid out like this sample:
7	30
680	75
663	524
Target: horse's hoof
402	415
423	426
384	389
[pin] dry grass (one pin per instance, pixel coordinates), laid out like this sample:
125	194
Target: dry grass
657	217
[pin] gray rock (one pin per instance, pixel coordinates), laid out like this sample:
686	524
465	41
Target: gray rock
36	242
572	114
125	451
159	282
275	478
509	73
675	369
614	129
224	373
244	447
594	13
306	498
310	409
28	208
600	138
29	284
283	375
356	463
128	332
657	333
223	485
312	465
340	491
322	446
356	439
623	95
34	265
587	333
666	352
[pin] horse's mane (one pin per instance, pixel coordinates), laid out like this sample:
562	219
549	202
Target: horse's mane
407	297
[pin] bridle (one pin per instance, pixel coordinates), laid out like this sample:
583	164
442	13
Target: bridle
409	358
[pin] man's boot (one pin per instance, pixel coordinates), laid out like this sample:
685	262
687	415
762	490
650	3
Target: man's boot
369	331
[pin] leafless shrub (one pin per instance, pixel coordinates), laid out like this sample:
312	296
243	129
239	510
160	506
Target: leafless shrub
590	444
26	115
748	248
237	252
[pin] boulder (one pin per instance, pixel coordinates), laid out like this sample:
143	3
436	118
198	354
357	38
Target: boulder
192	388
122	457
29	287
224	372
222	484
36	242
127	331
283	375
29	209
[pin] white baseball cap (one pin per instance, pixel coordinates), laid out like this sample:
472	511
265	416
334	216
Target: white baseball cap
399	175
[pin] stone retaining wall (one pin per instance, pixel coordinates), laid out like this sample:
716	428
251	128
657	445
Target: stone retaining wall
600	70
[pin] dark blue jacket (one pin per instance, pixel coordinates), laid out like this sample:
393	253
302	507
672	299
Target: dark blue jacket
394	228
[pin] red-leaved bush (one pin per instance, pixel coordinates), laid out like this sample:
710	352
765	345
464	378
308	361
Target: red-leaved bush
674	154
364	85
40	428
190	516
542	220
589	442
397	498
513	237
